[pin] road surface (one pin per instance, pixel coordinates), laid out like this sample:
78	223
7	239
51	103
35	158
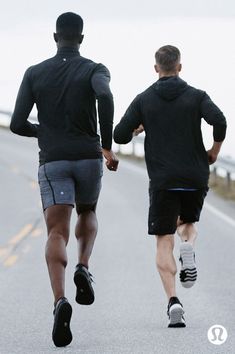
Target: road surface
129	314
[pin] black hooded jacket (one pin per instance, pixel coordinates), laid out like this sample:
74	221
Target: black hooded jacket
171	112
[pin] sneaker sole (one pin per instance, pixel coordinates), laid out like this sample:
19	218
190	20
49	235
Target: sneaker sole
85	292
176	316
61	334
188	273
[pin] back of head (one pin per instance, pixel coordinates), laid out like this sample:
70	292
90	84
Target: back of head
167	58
69	26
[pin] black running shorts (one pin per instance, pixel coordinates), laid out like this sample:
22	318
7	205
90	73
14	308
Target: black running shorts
166	206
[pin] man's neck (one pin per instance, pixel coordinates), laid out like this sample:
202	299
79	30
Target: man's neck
68	44
162	74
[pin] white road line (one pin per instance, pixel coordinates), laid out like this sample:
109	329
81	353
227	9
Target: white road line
142	171
219	213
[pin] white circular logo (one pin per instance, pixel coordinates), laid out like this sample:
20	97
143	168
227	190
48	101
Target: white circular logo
217	334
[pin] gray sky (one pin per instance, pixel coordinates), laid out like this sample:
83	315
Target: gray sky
14	12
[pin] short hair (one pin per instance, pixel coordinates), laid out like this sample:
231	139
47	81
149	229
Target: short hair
69	26
167	57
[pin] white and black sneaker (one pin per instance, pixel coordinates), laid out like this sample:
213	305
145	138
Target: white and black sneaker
188	273
175	313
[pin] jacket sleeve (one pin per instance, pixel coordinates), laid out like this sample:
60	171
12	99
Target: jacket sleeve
100	84
24	104
131	120
213	116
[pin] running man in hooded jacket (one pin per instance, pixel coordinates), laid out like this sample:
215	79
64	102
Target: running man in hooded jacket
170	112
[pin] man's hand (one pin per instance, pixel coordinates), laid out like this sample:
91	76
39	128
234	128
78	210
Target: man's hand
212	156
112	160
139	130
214	152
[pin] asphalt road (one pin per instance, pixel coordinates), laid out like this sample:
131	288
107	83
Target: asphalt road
129	314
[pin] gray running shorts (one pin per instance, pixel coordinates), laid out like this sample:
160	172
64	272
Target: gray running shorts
70	182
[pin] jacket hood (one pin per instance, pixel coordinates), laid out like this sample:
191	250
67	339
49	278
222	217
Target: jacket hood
170	88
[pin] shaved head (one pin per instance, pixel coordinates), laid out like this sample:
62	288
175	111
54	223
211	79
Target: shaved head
69	26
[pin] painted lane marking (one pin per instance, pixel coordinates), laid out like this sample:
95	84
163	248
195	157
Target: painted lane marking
37	232
10	261
3	251
220	214
23	232
7	258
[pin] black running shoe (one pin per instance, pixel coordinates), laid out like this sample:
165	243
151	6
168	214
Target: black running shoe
61	334
175	313
83	279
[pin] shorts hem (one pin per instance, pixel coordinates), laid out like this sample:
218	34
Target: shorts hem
188	220
152	233
86	203
53	204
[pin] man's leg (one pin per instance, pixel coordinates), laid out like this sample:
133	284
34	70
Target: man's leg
188	272
187	232
58	223
167	269
58	196
88	176
166	263
163	212
85	232
191	206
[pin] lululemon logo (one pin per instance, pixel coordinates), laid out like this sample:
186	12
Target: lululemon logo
217	334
